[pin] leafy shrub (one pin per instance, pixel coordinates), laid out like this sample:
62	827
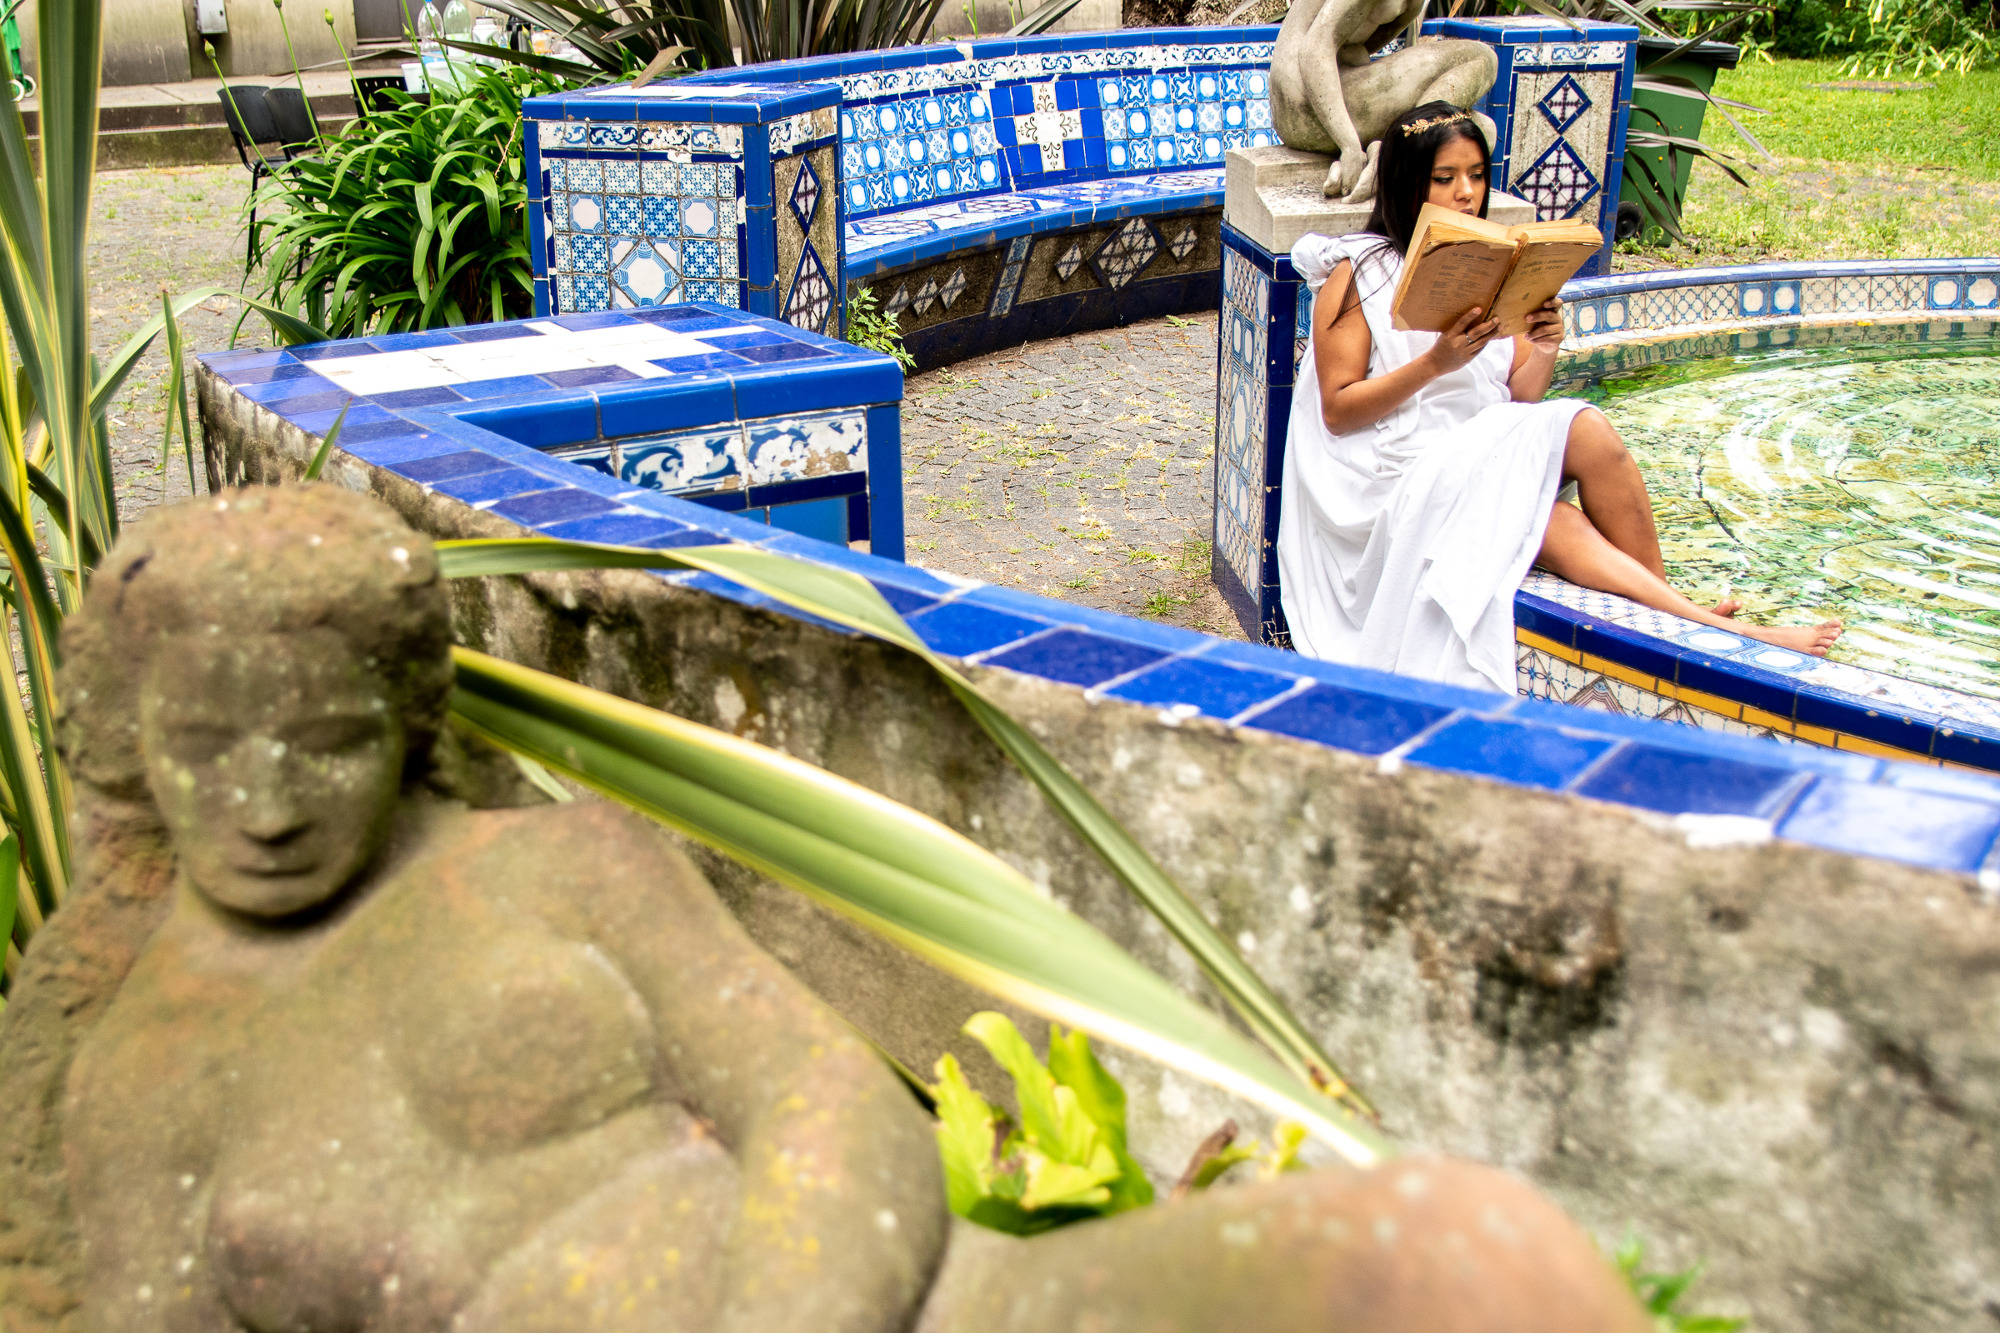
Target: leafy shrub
868	326
1911	36
1065	1162
410	217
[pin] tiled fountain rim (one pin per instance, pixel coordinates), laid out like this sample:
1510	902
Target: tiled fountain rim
1725	786
1621	284
1850	706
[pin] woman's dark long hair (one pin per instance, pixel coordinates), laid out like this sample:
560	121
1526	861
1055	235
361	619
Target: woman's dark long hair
1403	174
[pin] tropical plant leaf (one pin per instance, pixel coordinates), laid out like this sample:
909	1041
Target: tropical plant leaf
848	600
319	457
893	870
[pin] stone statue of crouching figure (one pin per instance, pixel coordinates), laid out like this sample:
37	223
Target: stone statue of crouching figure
1329	94
312	1050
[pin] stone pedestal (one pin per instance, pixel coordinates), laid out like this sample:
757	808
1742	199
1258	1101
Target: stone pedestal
679	192
1272	197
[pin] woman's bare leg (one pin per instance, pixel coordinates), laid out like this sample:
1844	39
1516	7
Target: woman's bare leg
1574	549
1613	494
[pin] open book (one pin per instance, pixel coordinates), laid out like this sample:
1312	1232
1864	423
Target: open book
1457	261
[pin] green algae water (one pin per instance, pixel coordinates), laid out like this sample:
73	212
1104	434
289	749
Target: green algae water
1851	481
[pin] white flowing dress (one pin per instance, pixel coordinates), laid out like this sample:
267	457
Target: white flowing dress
1401	543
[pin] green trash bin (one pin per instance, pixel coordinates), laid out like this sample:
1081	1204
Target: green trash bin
1667	113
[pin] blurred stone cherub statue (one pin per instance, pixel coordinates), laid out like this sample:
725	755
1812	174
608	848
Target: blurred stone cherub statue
314	1049
1331	94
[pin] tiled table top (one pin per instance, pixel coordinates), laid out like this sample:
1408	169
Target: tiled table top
564	380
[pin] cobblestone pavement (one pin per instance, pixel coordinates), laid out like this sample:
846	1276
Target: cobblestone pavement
177	228
1079	467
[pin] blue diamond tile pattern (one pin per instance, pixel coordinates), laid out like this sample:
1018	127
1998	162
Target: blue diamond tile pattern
805	196
811	295
1564	104
1558	184
1126	255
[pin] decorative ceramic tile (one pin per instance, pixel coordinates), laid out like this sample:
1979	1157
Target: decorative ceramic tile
1009	284
1126	255
728	457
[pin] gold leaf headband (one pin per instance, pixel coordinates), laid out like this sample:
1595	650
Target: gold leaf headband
1420	126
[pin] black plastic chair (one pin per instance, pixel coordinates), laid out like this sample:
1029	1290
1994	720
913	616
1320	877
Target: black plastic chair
246	109
371	92
292	119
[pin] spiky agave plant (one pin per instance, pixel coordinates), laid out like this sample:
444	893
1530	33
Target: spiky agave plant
890	868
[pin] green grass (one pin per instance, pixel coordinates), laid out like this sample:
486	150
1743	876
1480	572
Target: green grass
1858	175
1954	124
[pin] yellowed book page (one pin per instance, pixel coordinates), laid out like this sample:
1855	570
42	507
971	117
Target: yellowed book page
1447	279
1540	272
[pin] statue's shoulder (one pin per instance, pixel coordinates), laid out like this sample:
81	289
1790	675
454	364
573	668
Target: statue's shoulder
579	845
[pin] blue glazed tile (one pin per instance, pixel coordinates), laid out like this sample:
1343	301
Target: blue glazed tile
1943	781
1076	657
417	397
1516	752
334	350
274	371
495	485
1218	691
593	319
1960	743
540	424
1641	652
403	449
1349	719
554	506
1450	698
280	394
704	361
618	529
961	629
1168	639
443	467
1676	782
226	364
1947	832
486	333
352	436
1549	619
1844	712
789	351
653	406
1772	691
411	342
586	375
509	387
754	338
320	422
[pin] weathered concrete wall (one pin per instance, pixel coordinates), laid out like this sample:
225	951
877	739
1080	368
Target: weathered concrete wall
1779	1059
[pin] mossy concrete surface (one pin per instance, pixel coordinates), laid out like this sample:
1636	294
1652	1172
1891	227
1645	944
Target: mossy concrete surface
1778	1059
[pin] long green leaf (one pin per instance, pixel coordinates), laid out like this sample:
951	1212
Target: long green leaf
895	871
851	601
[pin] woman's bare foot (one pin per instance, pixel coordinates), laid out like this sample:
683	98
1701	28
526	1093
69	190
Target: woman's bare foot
1813	639
1728	606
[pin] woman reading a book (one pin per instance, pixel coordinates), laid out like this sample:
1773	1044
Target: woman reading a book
1422	470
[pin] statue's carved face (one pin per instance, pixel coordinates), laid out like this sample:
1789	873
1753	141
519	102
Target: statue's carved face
276	761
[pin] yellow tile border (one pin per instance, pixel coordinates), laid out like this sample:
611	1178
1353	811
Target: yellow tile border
1648	683
1727	708
1529	639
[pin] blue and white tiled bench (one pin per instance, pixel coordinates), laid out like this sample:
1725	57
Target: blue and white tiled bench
926	174
580	425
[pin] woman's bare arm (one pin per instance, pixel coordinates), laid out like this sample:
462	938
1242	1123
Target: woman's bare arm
1348	399
1535	354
